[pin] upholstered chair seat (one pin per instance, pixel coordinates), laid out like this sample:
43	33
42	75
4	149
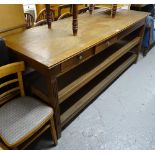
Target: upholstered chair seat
21	118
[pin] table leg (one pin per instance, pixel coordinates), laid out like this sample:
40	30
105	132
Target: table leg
75	19
113	11
48	14
91	7
53	101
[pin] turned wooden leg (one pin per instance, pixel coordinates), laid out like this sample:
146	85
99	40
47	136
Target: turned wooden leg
48	14
53	131
113	11
53	101
91	7
4	147
75	20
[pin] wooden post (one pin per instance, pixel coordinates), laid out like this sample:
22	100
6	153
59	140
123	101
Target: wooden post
113	11
48	14
53	100
75	20
91	7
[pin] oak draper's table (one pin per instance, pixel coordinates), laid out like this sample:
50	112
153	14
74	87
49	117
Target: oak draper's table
56	52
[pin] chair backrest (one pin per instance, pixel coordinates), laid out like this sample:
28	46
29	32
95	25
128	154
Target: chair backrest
69	6
83	10
65	15
64	6
42	15
29	20
5	71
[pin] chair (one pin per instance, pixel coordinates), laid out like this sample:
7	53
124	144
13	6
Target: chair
41	22
22	119
65	15
83	10
64	6
29	20
69	7
42	15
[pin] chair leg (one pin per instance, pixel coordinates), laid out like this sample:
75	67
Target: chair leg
4	147
53	131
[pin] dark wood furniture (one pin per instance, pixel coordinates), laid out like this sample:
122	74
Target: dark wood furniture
76	69
73	11
20	115
75	19
29	20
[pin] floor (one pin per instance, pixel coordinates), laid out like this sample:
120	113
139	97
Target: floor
122	117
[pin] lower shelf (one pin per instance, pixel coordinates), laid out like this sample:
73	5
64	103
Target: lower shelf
67	115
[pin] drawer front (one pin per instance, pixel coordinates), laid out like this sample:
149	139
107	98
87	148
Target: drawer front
76	60
100	47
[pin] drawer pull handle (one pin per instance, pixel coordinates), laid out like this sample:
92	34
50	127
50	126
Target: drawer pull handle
108	43
80	57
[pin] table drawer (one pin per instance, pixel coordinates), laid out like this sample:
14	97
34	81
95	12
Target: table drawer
72	62
100	47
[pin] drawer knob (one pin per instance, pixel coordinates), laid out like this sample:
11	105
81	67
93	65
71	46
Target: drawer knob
80	57
108	43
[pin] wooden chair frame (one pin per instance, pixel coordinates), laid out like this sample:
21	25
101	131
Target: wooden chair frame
63	7
43	15
29	20
83	10
17	68
41	22
65	15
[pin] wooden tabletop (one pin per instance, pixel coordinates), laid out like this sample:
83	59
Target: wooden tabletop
51	47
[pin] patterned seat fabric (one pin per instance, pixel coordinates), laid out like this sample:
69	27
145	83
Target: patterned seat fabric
20	117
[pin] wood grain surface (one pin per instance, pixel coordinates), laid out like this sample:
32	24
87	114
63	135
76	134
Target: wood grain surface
51	47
